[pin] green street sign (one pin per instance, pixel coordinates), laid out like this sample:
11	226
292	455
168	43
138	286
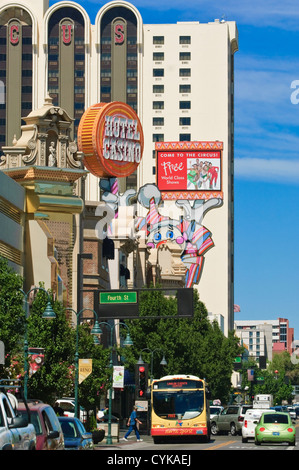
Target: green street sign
124	303
118	297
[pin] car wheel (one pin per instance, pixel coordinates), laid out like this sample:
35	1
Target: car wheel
233	429
257	443
214	429
244	440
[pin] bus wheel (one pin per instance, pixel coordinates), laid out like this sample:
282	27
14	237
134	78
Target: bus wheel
157	440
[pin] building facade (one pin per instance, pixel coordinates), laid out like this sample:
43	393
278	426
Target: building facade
179	78
12	222
266	337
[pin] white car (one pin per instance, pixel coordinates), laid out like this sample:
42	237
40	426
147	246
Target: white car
251	419
68	407
292	412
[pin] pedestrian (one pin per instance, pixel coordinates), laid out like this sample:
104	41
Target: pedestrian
132	422
58	410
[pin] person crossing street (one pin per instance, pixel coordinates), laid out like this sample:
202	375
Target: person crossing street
132	422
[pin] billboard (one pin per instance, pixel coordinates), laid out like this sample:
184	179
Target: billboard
189	170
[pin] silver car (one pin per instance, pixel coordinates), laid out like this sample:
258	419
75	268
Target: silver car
229	420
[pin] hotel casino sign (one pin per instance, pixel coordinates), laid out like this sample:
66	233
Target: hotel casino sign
111	137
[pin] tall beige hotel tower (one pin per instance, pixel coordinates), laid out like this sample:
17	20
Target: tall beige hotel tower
179	79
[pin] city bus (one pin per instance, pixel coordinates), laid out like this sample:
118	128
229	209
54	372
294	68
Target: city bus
179	407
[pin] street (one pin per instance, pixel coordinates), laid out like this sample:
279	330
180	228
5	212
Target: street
219	442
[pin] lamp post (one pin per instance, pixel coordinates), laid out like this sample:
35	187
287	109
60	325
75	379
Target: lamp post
48	314
127	342
162	363
94	331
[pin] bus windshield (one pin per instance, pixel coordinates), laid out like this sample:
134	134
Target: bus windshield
178	404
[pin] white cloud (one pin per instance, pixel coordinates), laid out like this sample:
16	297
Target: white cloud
259	169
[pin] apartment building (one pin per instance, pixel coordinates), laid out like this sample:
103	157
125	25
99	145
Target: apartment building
266	337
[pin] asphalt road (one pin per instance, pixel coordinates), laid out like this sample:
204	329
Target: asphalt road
221	442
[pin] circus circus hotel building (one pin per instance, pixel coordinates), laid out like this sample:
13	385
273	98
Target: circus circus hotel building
117	151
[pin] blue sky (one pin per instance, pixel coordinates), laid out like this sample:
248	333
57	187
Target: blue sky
266	145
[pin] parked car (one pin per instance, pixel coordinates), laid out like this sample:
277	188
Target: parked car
292	412
229	420
275	427
215	410
251	419
75	435
49	435
16	432
68	407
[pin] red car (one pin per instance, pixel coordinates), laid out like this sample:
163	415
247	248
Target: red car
49	435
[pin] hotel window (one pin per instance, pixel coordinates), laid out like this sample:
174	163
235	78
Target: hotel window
158	88
158	72
158	55
185	55
185	137
185	121
185	104
158	137
158	104
185	72
158	121
131	73
185	88
185	39
158	40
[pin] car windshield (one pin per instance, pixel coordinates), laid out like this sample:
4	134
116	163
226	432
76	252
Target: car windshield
34	419
214	410
276	419
178	404
69	429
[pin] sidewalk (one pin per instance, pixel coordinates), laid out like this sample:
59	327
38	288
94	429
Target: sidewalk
131	440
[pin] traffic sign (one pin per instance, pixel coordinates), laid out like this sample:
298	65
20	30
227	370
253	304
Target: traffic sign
124	303
118	297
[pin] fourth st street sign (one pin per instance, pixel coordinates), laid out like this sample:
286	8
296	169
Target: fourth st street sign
117	303
118	297
125	303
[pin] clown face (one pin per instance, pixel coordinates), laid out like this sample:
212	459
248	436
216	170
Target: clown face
161	234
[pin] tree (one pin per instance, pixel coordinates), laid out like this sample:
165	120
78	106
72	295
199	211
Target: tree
56	378
275	378
12	314
191	345
58	339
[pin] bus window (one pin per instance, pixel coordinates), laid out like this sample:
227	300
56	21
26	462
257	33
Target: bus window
174	405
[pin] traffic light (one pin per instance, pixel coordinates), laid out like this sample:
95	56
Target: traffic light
141	380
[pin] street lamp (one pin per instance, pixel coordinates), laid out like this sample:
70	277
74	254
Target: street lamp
96	330
127	342
48	314
162	363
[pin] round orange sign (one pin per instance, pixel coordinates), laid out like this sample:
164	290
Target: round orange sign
111	137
